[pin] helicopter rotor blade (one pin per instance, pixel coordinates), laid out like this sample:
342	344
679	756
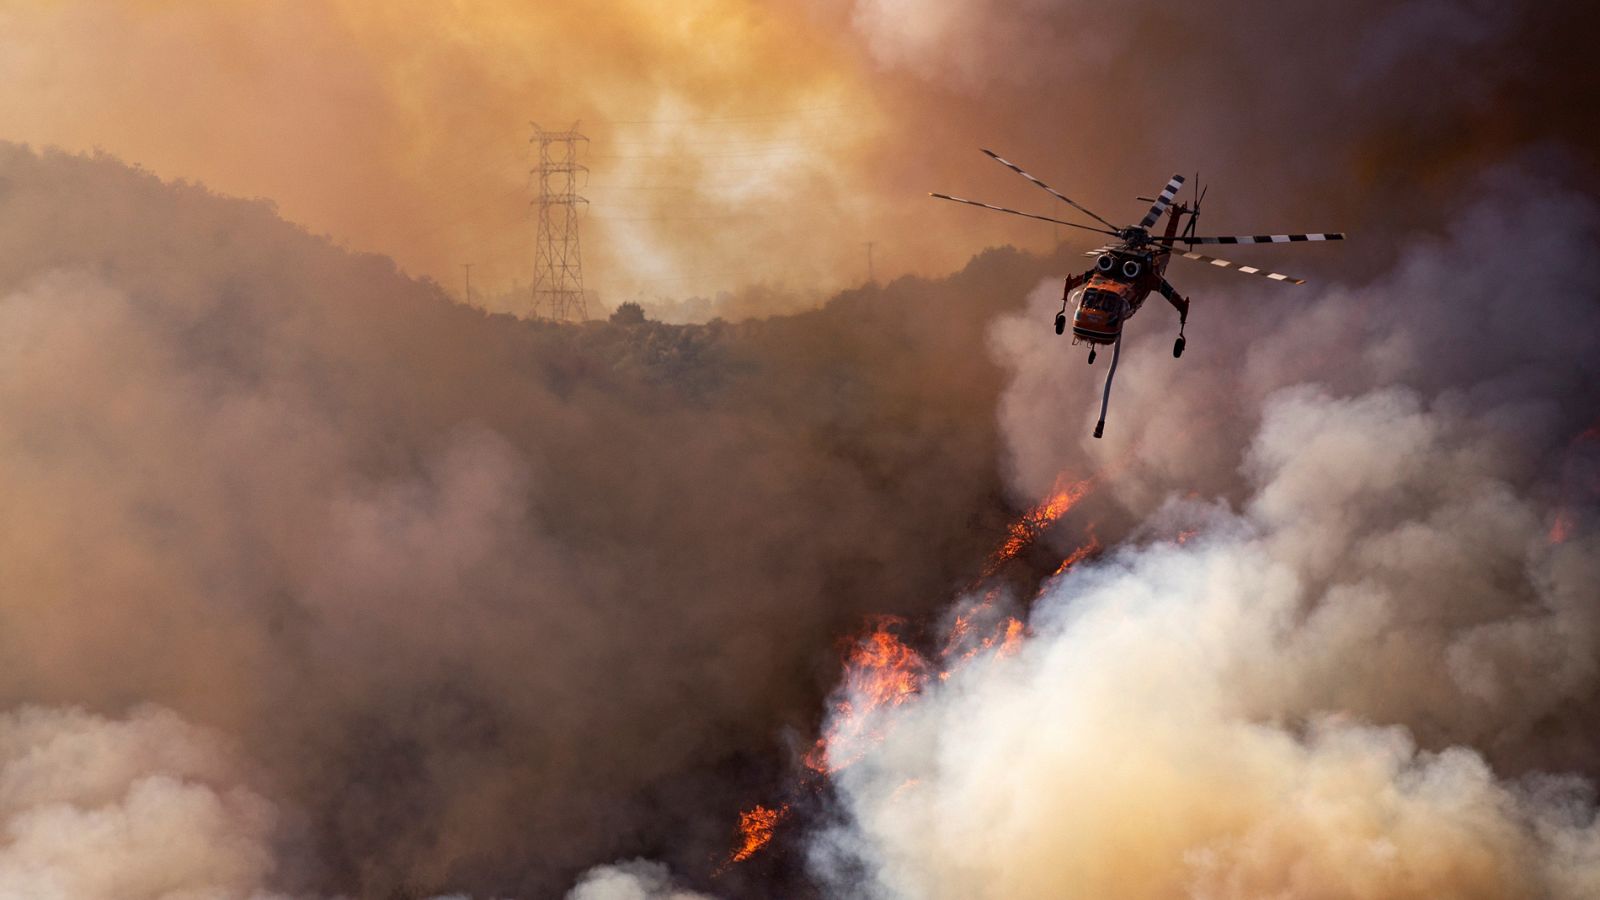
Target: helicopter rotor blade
1015	212
1248	270
1053	192
1255	238
1162	202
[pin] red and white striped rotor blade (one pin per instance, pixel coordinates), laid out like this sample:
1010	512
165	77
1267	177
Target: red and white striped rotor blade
1258	238
1248	270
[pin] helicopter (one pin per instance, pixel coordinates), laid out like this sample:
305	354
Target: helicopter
1129	269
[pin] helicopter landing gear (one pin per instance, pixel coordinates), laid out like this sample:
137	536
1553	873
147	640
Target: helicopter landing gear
1091	355
1061	322
1177	345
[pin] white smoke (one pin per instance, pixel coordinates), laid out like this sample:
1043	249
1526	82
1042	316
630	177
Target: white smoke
150	807
138	808
1228	718
971	44
635	880
1349	683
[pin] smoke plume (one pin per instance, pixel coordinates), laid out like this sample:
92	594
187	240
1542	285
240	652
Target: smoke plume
481	602
1365	672
318	584
145	806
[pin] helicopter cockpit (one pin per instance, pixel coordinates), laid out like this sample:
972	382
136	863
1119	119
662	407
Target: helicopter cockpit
1097	299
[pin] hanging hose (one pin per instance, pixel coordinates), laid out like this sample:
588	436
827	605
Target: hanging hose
1105	399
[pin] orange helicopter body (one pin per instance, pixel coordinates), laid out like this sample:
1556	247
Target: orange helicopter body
1114	290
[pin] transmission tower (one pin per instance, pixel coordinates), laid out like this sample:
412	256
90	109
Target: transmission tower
557	265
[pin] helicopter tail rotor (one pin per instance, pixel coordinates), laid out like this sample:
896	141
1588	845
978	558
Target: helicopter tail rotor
1162	202
1194	213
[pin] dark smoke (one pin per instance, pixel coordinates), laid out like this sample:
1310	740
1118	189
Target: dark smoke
316	583
479	602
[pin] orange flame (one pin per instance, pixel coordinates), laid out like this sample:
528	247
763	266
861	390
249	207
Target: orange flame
756	826
1026	529
961	630
1080	554
1013	637
964	642
881	670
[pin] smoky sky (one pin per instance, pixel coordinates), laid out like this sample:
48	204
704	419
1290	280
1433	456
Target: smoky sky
343	588
739	143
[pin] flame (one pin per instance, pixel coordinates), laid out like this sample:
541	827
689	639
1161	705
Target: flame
756	826
1013	637
1025	530
1080	554
880	671
966	623
971	636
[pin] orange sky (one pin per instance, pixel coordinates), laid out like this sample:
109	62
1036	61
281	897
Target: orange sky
732	141
763	142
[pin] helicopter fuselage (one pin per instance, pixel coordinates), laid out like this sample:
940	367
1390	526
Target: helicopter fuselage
1113	291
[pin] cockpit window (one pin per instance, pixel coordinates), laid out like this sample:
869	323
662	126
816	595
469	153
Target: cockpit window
1097	299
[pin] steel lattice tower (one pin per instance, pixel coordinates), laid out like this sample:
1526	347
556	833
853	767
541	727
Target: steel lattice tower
557	264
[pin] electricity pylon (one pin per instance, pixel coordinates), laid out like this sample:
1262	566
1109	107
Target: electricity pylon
557	263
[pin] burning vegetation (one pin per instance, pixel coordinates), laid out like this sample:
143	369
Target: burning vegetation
882	670
1023	532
